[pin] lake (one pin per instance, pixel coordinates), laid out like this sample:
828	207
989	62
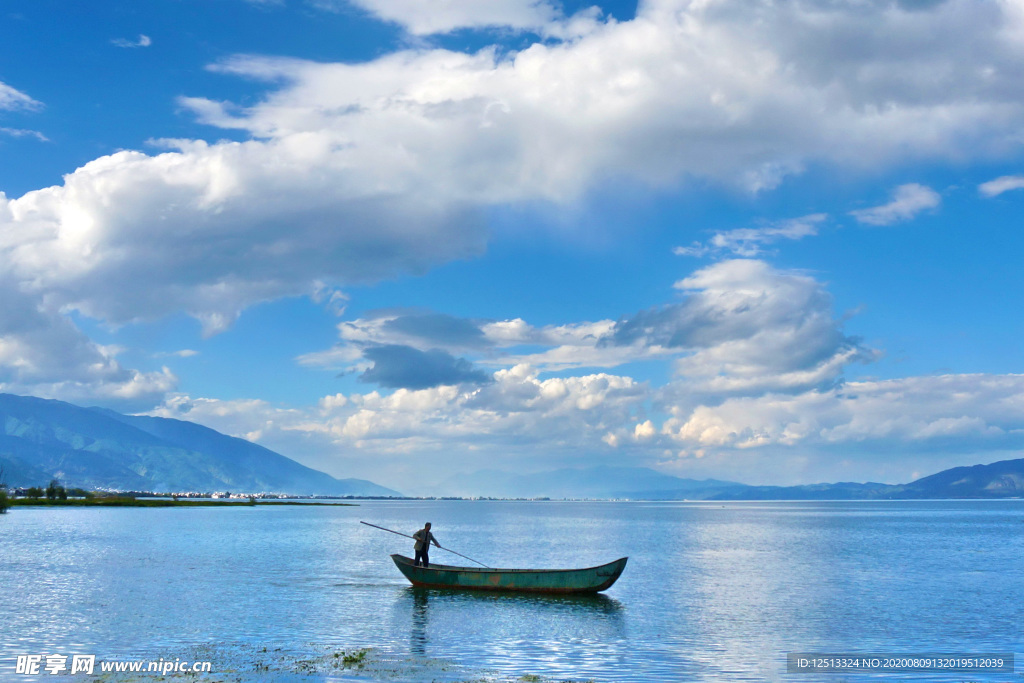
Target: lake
712	591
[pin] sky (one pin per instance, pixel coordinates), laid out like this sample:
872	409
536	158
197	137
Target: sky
775	242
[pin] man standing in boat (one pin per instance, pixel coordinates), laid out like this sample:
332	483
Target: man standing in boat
423	540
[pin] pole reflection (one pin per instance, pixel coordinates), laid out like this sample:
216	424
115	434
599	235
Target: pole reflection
418	631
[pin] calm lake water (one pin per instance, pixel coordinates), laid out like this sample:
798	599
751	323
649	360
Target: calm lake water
712	592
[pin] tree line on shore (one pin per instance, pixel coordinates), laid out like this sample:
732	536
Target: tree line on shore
54	491
57	494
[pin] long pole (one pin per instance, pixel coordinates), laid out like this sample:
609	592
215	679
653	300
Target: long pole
440	547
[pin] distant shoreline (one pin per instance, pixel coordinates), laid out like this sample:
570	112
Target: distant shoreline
166	503
158	503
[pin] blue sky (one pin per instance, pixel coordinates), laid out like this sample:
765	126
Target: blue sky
398	239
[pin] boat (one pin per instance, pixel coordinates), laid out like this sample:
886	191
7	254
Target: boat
589	580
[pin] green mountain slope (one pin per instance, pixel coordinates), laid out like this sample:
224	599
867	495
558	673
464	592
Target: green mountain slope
94	448
1004	479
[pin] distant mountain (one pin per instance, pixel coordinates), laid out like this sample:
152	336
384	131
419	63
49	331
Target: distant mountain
842	491
999	480
96	448
589	482
1004	479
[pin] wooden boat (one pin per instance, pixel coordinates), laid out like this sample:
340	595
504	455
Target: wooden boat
589	580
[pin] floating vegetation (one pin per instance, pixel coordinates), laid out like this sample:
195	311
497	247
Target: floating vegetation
356	659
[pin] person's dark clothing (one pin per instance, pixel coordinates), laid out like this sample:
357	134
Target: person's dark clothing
423	540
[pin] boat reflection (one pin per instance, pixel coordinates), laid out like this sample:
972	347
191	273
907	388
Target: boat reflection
440	612
587	602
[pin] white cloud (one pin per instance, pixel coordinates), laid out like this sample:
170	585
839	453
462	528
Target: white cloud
13	100
358	172
908	201
561	347
143	41
416	437
749	242
183	353
1000	185
493	343
736	91
986	412
741	327
213	229
23	132
427	17
696	250
42	353
514	414
745	327
644	430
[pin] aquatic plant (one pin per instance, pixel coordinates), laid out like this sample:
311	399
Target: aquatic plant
355	659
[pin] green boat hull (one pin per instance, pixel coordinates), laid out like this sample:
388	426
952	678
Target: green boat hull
589	580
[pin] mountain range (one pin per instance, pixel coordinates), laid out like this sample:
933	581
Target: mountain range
1003	479
95	448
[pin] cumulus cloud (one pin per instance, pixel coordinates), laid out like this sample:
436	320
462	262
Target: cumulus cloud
744	326
408	333
514	414
547	423
420	329
1006	183
213	229
143	41
396	366
42	353
907	201
749	242
500	343
741	326
979	411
